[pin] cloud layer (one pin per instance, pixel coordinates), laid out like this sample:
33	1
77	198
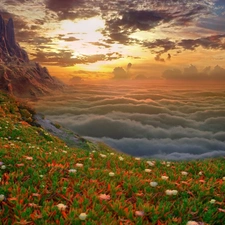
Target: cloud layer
148	120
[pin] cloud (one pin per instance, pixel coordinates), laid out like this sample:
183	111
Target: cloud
192	73
120	73
177	123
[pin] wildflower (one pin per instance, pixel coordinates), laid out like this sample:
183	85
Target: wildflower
200	173
64	151
3	167
41	176
79	165
168	192
72	170
192	223
103	156
148	170
82	216
164	177
137	158
121	158
104	197
174	192
184	173
112	153
93	151
29	158
61	206
151	163
2	197
212	201
139	213
153	184
224	178
111	174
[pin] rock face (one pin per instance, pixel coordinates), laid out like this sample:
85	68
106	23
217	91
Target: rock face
18	75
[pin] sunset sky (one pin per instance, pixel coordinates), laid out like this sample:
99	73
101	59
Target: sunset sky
89	38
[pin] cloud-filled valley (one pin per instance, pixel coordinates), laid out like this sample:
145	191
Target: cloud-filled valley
146	120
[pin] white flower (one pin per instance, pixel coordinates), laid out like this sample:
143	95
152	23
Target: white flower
164	177
224	178
192	223
112	153
2	197
121	158
137	158
151	163
212	201
184	173
111	174
82	216
148	170
153	184
174	192
29	158
40	176
200	173
79	165
72	170
169	192
3	167
93	151
64	151
103	156
61	206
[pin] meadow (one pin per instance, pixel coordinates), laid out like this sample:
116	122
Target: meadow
43	181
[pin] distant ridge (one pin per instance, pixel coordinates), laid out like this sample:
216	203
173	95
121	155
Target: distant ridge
18	75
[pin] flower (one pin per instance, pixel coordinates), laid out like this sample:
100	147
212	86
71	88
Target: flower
3	167
79	165
200	173
104	197
151	163
184	173
112	153
137	158
1	163
103	156
61	206
148	170
224	178
121	158
82	216
192	223
153	184
164	177
2	197
29	158
168	192
139	213
72	170
212	201
174	192
111	174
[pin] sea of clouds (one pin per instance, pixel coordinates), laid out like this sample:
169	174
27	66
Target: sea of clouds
146	119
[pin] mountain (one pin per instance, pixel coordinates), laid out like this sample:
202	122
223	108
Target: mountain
18	75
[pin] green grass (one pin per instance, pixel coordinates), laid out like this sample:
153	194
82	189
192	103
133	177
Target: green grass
35	178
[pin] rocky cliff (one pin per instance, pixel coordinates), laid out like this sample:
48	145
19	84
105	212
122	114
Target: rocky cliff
18	75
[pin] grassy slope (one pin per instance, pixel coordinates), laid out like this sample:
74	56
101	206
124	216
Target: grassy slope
35	178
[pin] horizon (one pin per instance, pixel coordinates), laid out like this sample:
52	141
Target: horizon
174	40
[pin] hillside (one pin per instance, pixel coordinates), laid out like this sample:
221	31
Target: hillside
42	181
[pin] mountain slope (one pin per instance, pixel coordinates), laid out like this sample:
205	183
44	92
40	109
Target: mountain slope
18	75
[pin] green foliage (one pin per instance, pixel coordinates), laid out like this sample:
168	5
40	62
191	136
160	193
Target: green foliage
40	172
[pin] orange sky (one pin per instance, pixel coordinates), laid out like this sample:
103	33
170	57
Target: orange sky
88	39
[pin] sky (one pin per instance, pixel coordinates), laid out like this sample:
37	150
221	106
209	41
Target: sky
129	39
